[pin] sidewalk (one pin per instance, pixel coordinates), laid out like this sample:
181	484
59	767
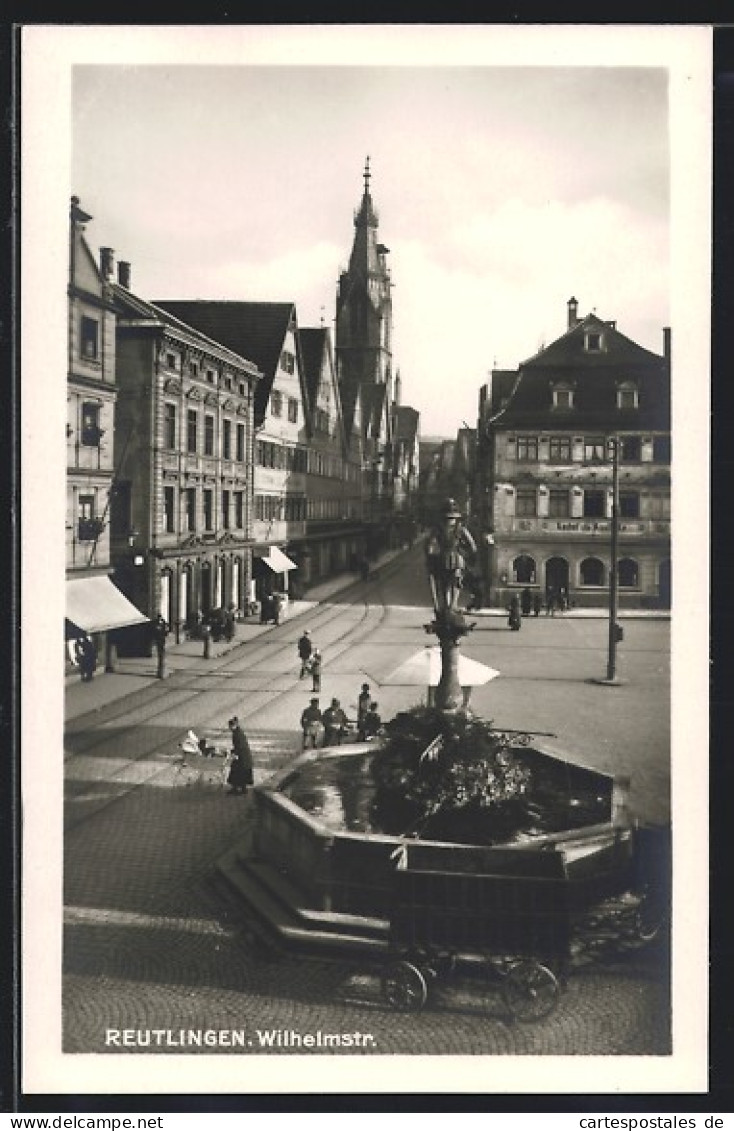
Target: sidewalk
135	673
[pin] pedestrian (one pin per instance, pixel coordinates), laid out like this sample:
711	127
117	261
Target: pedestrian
311	724
86	657
526	601
562	600
550	602
335	724
371	724
514	620
315	669
229	623
240	772
363	703
305	648
537	604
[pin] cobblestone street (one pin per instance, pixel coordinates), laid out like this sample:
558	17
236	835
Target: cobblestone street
153	941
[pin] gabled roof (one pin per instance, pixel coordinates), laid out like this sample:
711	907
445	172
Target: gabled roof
594	377
252	329
132	307
315	346
568	350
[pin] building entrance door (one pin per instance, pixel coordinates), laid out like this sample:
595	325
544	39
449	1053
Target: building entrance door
556	576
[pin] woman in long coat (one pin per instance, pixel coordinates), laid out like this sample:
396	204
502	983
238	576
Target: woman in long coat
240	772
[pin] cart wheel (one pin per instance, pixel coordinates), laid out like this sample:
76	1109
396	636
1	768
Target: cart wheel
530	990
650	919
404	987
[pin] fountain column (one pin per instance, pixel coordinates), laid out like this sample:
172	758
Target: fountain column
448	546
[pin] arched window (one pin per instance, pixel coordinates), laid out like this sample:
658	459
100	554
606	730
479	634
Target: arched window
523	570
629	573
592	572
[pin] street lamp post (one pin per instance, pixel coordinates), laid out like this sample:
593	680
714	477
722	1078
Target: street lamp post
613	445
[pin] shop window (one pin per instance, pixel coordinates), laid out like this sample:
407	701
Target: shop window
558	504
592	572
594	502
629	504
628	573
523	570
91	431
90	338
526	502
527	447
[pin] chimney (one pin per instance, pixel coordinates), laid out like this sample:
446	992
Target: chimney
573	307
123	274
107	263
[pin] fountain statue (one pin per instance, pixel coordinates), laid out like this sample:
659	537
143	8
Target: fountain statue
450	548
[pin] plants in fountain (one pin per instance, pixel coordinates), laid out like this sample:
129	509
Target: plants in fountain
449	776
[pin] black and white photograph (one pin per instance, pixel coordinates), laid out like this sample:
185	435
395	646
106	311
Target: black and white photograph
365	395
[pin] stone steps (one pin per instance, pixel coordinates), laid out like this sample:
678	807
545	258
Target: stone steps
277	913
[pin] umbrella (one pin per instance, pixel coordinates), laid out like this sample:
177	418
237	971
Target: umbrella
424	670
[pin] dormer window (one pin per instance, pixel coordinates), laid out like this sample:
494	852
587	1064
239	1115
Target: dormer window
628	395
563	396
593	341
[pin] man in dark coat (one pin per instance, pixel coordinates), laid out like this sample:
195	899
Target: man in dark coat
305	648
371	723
311	724
86	657
240	772
335	724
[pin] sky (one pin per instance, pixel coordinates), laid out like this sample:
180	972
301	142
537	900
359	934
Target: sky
501	192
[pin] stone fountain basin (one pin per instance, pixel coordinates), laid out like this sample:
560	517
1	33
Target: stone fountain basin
311	827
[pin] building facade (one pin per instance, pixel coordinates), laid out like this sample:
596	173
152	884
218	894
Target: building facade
334	539
544	492
182	515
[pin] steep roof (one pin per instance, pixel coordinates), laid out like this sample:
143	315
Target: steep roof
131	306
253	329
594	376
313	343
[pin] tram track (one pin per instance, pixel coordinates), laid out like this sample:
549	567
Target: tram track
155	702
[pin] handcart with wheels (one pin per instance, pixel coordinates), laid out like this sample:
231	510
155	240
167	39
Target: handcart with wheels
515	930
507	934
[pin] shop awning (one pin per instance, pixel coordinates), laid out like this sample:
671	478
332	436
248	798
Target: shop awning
278	561
95	604
424	670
